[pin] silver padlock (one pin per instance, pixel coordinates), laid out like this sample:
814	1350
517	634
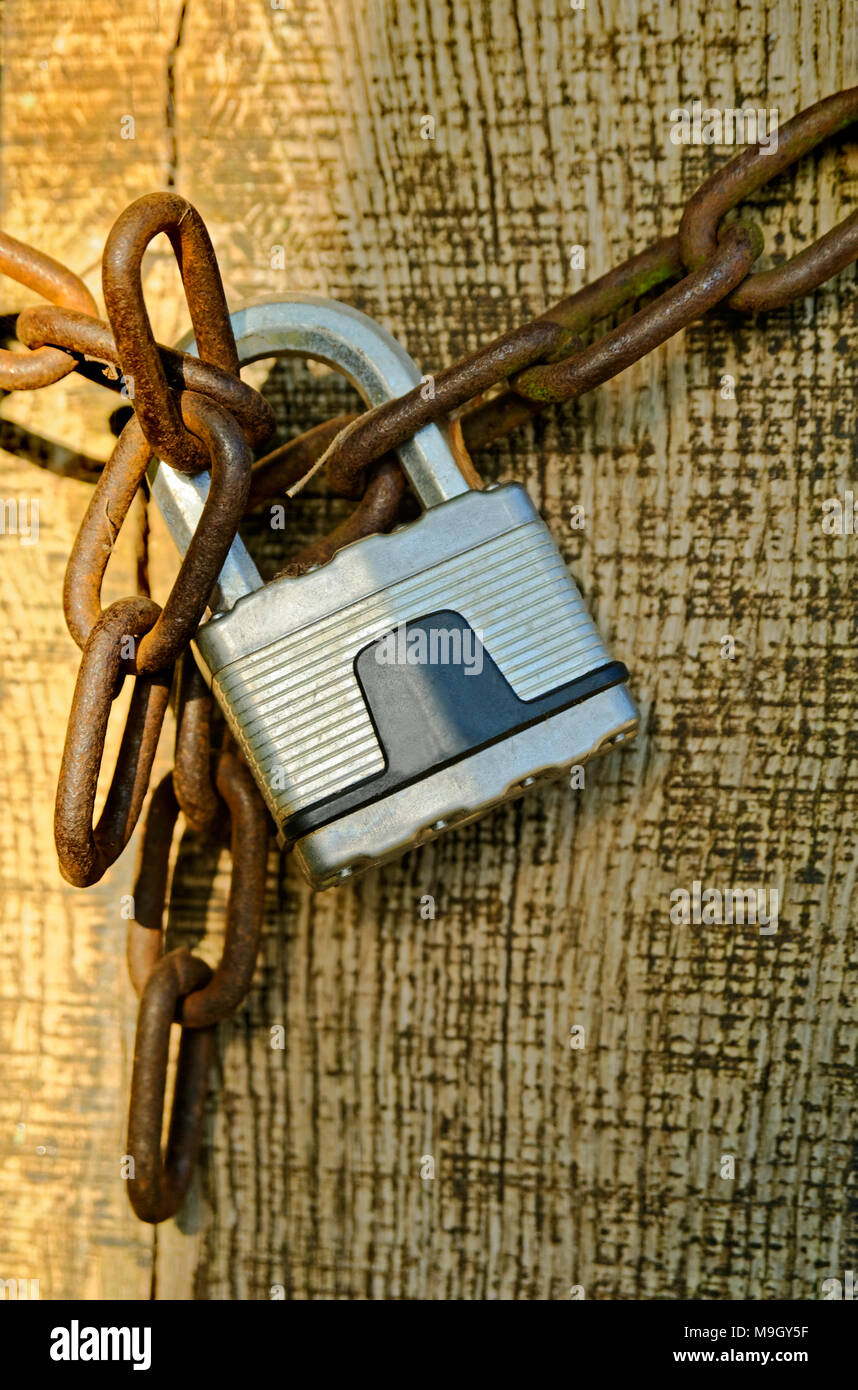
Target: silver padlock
418	678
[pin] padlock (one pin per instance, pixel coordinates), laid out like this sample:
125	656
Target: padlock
418	678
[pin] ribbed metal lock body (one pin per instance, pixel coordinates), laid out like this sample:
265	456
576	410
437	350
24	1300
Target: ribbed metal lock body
418	678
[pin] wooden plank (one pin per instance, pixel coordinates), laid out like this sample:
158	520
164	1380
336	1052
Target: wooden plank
449	1037
66	1009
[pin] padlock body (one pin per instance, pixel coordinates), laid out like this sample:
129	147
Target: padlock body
415	681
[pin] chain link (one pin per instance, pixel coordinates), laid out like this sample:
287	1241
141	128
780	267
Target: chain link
229	461
29	371
90	339
195	412
155	405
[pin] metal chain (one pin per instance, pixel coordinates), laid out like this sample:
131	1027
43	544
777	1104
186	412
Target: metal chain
180	987
196	413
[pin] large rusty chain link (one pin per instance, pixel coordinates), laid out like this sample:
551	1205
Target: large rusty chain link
194	413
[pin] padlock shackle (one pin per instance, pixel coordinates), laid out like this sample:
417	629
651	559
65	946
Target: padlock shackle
379	368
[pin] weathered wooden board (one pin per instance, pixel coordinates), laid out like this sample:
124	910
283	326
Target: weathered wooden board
299	127
66	1015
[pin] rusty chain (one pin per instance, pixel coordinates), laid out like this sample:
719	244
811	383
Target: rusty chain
180	987
196	413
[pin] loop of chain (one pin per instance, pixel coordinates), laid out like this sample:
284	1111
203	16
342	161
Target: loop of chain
143	939
29	371
122	285
179	986
634	278
749	171
672	311
86	853
207	549
159	1185
91	340
193	785
230	982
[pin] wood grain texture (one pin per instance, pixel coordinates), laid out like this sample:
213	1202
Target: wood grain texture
300	127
